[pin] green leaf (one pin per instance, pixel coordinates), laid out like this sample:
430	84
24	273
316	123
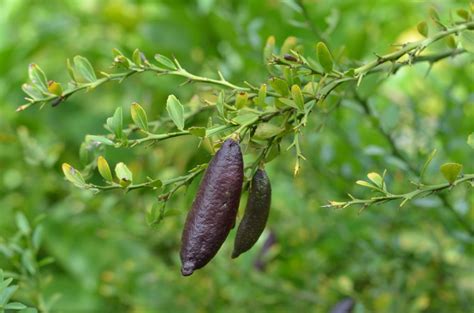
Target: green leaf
136	57
470	140
104	168
289	43
324	57
37	77
310	88
365	184
269	48
123	174
15	306
22	223
198	131
297	96
464	14
176	111
73	176
451	42
423	28
139	116
376	179
280	86
266	130
32	91
165	62
37	237
115	123
288	102
84	68
245	118
99	139
241	100
451	171
220	105
262	95
7	293
434	14
27	260
4	284
467	40
71	71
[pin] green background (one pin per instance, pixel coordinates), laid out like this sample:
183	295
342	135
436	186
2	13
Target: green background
107	259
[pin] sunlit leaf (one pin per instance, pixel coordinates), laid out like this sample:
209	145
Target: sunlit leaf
139	116
73	176
123	174
104	168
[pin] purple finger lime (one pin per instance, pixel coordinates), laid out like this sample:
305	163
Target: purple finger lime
256	213
214	209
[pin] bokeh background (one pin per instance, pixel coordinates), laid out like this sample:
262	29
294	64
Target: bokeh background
72	251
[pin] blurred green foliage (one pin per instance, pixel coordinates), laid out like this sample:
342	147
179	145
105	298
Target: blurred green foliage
107	259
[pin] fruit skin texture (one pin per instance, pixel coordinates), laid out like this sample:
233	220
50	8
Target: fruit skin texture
256	213
214	209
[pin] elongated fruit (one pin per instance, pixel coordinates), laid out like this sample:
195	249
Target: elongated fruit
214	210
256	213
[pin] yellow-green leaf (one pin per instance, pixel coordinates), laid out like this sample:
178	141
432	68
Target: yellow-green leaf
451	171
55	88
280	86
198	131
269	48
422	28
139	116
324	57
297	96
123	174
104	168
241	100
288	45
262	95
73	176
375	178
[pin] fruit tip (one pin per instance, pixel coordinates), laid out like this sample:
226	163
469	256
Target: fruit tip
187	269
235	254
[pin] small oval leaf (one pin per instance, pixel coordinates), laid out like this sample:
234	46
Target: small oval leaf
176	111
123	174
84	68
376	179
297	96
324	57
165	61
104	168
73	176
139	116
37	77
